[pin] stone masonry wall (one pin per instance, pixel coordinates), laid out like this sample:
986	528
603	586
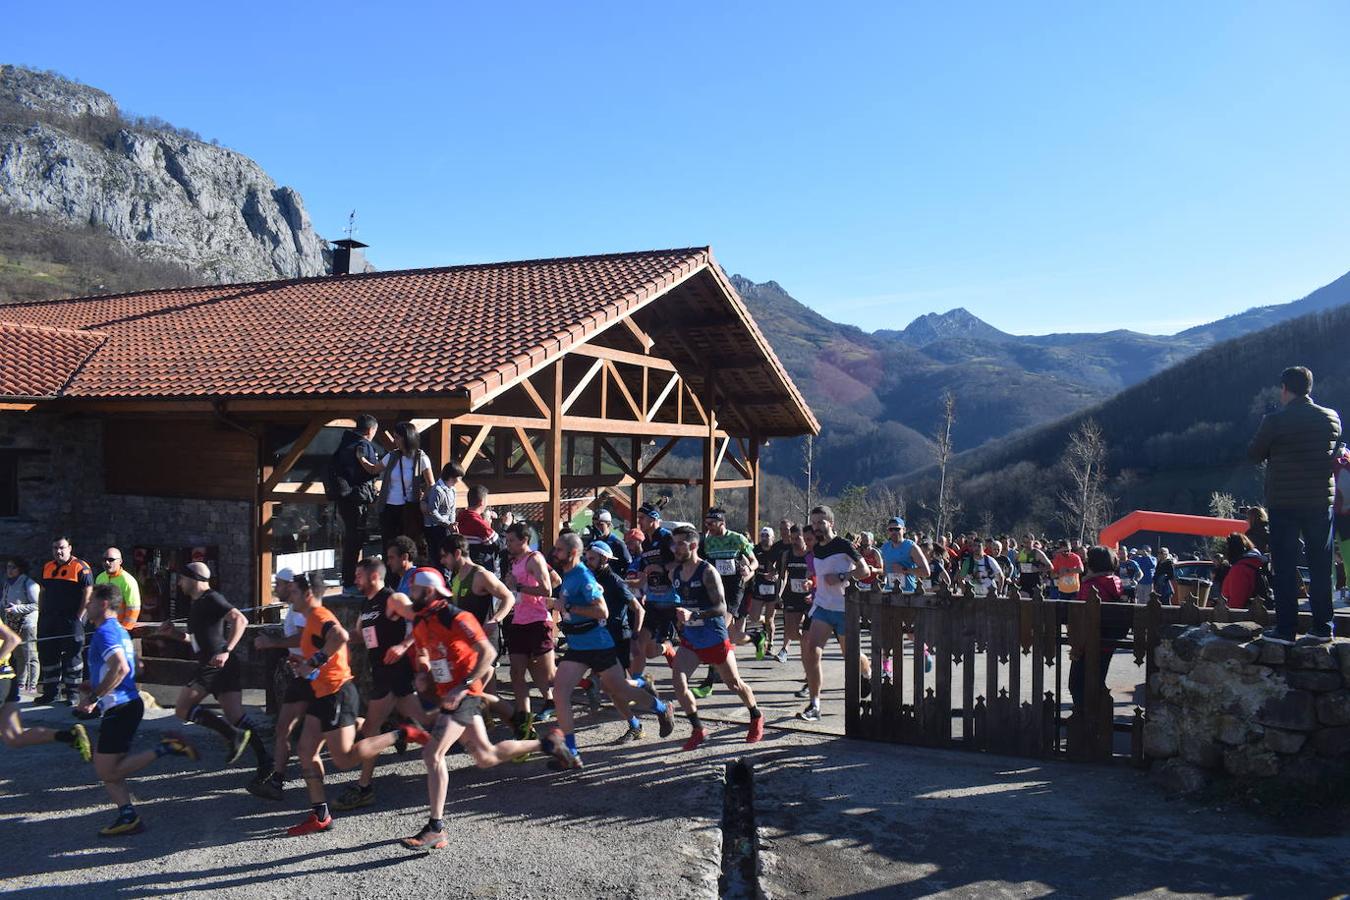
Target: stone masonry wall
1225	700
61	490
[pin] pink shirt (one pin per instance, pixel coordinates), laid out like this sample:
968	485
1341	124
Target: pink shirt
530	608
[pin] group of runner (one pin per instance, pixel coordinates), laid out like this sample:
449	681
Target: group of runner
688	596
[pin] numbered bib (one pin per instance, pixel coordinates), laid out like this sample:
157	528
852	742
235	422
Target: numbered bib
106	702
866	586
368	635
797	585
766	590
1028	568
725	566
440	671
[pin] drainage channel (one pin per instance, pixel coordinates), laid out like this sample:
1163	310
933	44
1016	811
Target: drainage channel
740	838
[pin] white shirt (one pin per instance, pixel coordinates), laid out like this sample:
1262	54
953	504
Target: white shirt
405	474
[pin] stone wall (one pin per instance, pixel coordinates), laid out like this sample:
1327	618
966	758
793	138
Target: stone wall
61	490
1225	701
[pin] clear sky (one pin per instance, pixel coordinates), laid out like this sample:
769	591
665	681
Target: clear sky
1049	166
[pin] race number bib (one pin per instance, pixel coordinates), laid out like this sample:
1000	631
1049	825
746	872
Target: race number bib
1028	568
368	635
797	585
725	566
106	702
866	586
440	671
766	590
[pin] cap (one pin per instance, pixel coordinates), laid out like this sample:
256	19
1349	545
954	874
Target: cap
286	574
716	514
196	570
429	577
634	534
649	511
766	531
896	522
602	549
603	516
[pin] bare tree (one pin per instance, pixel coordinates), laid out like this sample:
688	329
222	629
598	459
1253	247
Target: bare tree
1085	504
808	469
943	438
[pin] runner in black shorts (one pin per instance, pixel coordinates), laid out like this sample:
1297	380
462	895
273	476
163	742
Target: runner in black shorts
529	635
479	592
621	605
12	732
112	690
795	587
217	667
651	577
387	637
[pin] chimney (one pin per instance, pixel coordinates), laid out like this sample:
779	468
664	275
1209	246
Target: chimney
348	258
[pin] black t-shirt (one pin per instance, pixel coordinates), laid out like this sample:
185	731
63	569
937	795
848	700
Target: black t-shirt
657	551
206	624
375	623
796	570
617	596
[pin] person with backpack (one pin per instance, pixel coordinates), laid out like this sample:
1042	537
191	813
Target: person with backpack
407	476
351	486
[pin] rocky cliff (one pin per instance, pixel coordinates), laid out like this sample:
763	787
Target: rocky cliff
67	154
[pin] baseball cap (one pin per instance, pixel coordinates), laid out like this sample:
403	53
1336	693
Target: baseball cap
766	531
601	548
896	522
649	511
287	574
634	534
197	571
603	516
429	577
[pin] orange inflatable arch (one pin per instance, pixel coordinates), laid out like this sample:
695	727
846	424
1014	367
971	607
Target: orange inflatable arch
1168	523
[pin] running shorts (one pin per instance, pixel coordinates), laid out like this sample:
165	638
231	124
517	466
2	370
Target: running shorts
660	623
533	639
596	660
217	681
831	617
338	709
298	690
119	726
712	656
396	679
472	705
796	603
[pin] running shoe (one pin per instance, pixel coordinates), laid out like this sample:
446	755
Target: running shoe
355	797
781	655
802	692
810	714
566	762
176	745
696	737
526	733
629	736
648	687
123	825
701	691
761	644
426	839
80	742
410	733
667	720
563	758
237	745
756	732
266	788
311	825
44	699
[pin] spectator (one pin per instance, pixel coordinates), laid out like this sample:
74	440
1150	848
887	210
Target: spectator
113	573
67	583
1341	472
1164	576
1129	573
1148	564
19	604
354	467
1245	578
407	476
1297	443
484	545
1258	528
438	506
1103	583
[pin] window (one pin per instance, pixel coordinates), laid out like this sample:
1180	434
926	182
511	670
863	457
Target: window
9	483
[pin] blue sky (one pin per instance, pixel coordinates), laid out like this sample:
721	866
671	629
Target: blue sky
1047	166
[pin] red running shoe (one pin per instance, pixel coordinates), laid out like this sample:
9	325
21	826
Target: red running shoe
669	653
756	732
410	732
698	736
311	825
426	839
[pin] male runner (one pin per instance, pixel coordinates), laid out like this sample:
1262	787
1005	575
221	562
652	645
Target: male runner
112	677
652	578
836	560
387	637
217	666
733	556
12	732
331	716
479	592
1032	565
704	639
904	563
794	588
293	589
622	605
529	637
453	658
763	590
590	647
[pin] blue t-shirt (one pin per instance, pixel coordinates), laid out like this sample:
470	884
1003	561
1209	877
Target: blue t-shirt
108	638
579	588
903	555
1146	565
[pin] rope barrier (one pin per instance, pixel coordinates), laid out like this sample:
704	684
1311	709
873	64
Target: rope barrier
183	621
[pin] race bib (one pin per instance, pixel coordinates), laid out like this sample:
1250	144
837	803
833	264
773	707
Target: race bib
866	586
797	585
725	566
106	702
368	635
440	671
1028	568
766	590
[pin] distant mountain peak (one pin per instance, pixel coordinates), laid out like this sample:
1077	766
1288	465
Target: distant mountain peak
955	323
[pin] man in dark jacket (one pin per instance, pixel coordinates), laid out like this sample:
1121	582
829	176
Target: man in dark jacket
353	506
1296	442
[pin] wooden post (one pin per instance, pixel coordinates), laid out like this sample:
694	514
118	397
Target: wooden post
263	510
553	509
710	446
752	502
635	455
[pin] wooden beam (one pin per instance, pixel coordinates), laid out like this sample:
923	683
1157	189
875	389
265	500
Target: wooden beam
298	448
623	389
655	407
623	356
751	471
443	441
604	444
583	424
581	385
738	465
496	421
698	406
721	454
474	446
532	392
642	337
508	499
635	454
432	407
17	407
553	475
528	449
733	483
709	443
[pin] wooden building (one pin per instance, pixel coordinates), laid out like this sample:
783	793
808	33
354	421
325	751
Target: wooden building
548	380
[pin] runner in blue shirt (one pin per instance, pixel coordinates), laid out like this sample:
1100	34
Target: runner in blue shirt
112	690
902	559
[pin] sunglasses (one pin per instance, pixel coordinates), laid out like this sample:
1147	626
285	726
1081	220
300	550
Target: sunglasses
112	559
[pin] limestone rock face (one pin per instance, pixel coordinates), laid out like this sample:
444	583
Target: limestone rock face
163	195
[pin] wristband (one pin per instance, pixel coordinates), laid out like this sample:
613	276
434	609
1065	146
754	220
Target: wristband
318	659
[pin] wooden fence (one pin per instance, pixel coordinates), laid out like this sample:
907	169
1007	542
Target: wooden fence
997	681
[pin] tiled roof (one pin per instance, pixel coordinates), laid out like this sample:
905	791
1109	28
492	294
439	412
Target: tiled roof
36	361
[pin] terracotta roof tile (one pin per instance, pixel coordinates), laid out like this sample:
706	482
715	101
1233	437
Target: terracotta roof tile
38	361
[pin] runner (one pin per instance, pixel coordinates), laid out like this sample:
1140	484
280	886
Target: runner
763	590
479	592
591	647
794	590
704	639
292	589
652	578
529	637
453	658
217	666
1068	567
905	564
331	716
12	732
621	604
1032	565
387	637
871	557
835	562
112	690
